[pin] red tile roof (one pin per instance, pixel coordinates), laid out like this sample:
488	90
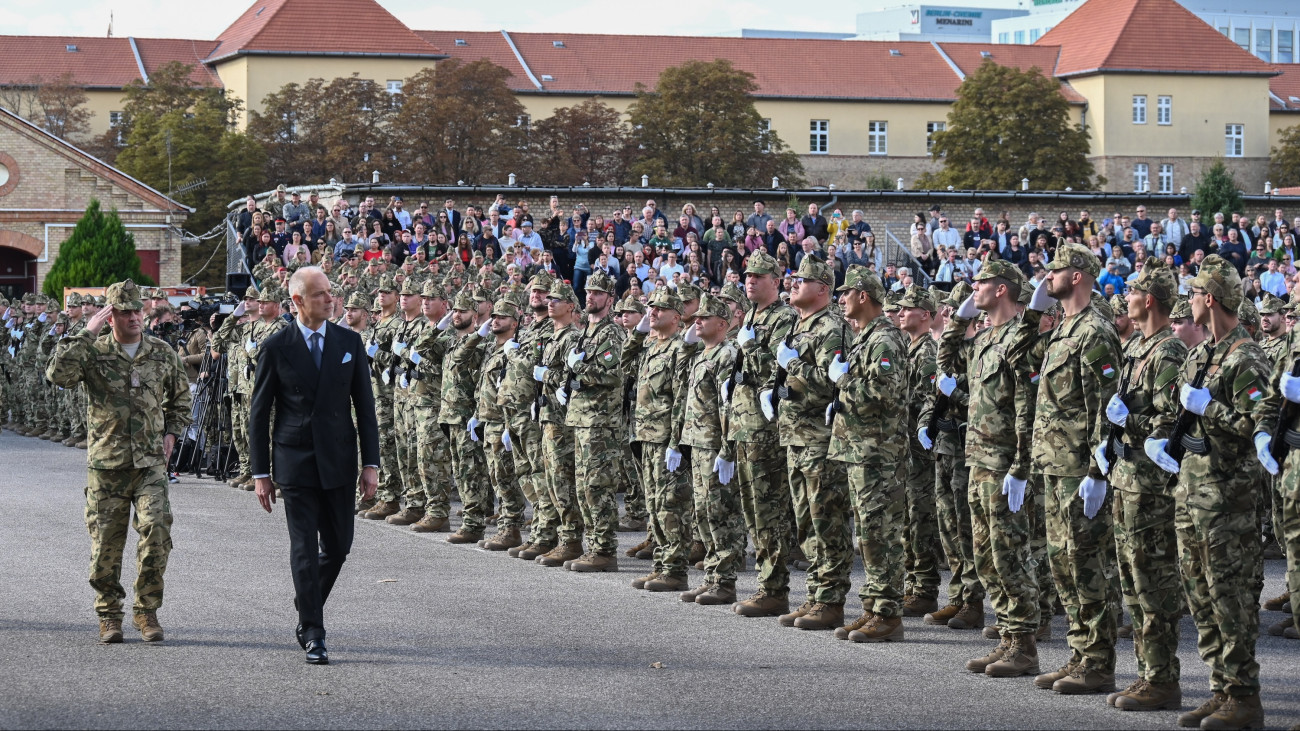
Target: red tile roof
158	52
320	27
1285	87
479	44
969	57
98	63
1147	36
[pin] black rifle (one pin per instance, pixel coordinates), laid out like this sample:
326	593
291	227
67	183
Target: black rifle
1278	448
1177	445
1115	447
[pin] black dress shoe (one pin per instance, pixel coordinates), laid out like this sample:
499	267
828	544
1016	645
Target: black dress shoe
302	641
316	653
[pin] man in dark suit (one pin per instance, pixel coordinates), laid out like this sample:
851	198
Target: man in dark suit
815	224
314	375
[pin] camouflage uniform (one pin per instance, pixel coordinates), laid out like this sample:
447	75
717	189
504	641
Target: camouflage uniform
869	434
258	331
718	511
557	438
634	497
1080	370
500	464
921	529
383	366
1277	349
230	339
760	460
460	374
423	365
134	403
659	417
406	424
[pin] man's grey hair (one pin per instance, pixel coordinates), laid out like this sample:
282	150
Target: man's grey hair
298	281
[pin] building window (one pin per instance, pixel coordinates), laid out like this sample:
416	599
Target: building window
930	129
1139	109
1264	43
1166	179
1241	36
1020	36
1234	140
524	122
1164	110
114	119
1033	34
395	87
1004	37
1223	30
819	136
1285	46
765	126
877	138
1140	179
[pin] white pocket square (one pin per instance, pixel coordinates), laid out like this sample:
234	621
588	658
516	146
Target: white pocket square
347	357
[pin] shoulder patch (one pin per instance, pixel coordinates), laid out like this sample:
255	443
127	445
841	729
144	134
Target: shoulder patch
929	368
1166	377
1246	384
1099	359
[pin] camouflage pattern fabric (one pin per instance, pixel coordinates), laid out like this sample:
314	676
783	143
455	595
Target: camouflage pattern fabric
595	392
718	510
921	531
951	485
111	494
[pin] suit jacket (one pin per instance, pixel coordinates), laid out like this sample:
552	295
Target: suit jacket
314	435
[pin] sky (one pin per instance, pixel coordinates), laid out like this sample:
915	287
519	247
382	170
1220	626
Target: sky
206	20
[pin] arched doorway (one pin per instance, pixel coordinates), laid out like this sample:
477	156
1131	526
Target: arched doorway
17	263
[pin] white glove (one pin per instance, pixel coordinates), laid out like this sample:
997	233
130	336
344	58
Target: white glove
726	390
511	345
967	310
1116	411
1290	386
692	335
399	348
644	326
416	358
370	351
1194	399
946	383
672	459
726	470
505	439
923	436
1041	301
485	328
575	356
1099	454
239	311
1155	449
471	426
445	322
1262	443
1015	491
785	354
765	403
745	335
837	368
43	317
1093	493
830	412
562	396
539	373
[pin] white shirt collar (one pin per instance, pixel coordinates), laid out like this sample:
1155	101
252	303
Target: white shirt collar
307	333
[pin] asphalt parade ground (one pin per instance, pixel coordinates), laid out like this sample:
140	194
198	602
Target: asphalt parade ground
424	634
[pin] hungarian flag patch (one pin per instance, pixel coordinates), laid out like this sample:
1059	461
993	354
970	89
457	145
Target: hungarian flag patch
885	364
932	379
607	356
1033	377
1108	371
1254	393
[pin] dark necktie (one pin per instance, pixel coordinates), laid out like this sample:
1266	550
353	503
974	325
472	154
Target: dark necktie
316	349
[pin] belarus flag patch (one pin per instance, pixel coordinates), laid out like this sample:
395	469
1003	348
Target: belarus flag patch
1108	371
1254	393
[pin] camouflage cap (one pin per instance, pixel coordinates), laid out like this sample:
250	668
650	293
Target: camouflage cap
376	306
386	284
917	297
505	307
761	262
482	294
666	299
1026	294
891	301
1098	300
269	294
817	270
600	281
124	296
562	290
1076	256
1181	310
959	293
1247	313
1271	304
861	279
1157	280
357	301
995	268
62	319
1290	306
101	301
733	293
410	287
465	302
251	293
630	304
1119	305
517	298
433	290
713	306
1219	278
688	292
72	300
541	282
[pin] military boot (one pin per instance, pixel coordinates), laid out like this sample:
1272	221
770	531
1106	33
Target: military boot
430	524
798	561
689	595
842	633
634	550
717	594
382	510
1272	551
941	616
991	632
48	434
362	507
666	583
971	616
593	563
1279	628
639	582
406	517
69	441
560	554
822	616
532	551
1044	632
762	604
464	536
1047	680
505	538
879	629
81	443
1291	633
1124	631
1133	687
1236	712
788	620
110	631
630	525
1020	658
1083	680
1277	603
147	623
647	553
1192	719
1151	697
697	554
978	664
916	606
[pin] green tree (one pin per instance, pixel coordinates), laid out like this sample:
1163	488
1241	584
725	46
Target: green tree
100	251
1284	159
699	126
1007	125
1217	192
584	143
